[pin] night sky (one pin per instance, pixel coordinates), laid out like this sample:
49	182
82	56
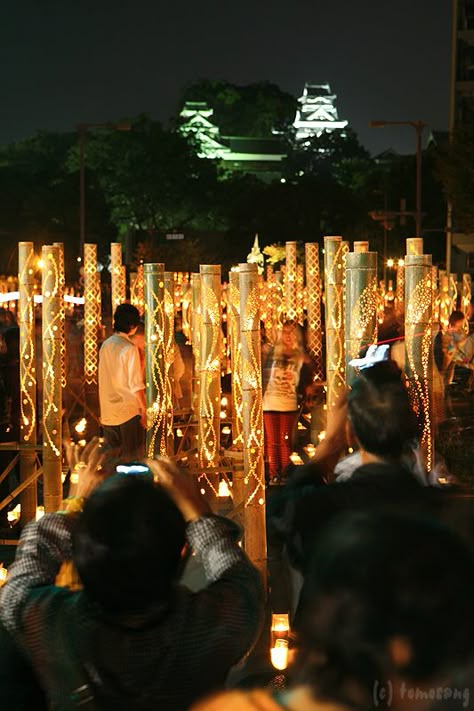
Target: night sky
63	62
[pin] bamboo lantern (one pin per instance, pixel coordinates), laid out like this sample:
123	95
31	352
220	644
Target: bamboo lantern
466	293
270	323
137	289
418	340
436	299
62	282
196	336
236	358
169	358
278	303
291	287
186	310
26	269
52	392
361	303
155	361
313	285
444	300
400	287
300	293
334	290
118	284
254	479
92	314
210	376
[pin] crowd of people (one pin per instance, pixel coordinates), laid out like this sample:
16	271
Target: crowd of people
97	611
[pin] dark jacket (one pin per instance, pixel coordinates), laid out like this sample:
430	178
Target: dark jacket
166	658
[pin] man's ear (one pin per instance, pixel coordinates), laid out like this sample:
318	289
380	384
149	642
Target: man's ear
350	435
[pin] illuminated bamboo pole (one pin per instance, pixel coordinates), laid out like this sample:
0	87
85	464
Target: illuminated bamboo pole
169	359
278	303
300	293
26	269
186	310
418	340
291	273
334	308
155	363
466	293
361	303
400	287
196	336
313	286
436	300
62	320
52	391
92	324
254	479
210	376
137	289
236	359
117	286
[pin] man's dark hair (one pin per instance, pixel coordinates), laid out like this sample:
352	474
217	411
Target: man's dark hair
455	317
380	412
127	544
375	577
126	317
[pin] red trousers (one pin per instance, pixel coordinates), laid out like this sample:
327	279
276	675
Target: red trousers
278	428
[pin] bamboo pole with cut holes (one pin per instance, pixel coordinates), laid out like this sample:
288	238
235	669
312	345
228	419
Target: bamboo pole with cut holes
334	308
210	377
254	478
361	304
53	298
28	378
418	340
155	361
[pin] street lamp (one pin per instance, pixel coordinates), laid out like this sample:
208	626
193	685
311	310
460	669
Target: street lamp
418	126
82	129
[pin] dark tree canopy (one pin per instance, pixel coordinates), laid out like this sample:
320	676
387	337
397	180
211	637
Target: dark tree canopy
253	110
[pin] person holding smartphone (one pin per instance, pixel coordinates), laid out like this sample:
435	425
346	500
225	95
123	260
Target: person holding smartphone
133	637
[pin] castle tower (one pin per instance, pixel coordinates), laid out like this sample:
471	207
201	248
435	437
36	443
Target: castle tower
316	112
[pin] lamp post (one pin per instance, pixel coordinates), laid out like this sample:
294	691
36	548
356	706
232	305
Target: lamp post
82	129
418	126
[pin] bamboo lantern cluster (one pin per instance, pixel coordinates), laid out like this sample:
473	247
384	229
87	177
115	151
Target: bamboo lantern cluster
210	374
291	287
418	339
92	314
117	275
236	357
361	303
313	285
254	479
52	400
137	289
196	335
334	289
26	281
155	363
169	350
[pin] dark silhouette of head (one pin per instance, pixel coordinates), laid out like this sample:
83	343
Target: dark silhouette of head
128	543
126	318
380	413
377	581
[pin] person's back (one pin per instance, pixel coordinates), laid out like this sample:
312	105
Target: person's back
132	638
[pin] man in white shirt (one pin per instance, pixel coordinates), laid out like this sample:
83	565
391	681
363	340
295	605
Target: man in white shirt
121	386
